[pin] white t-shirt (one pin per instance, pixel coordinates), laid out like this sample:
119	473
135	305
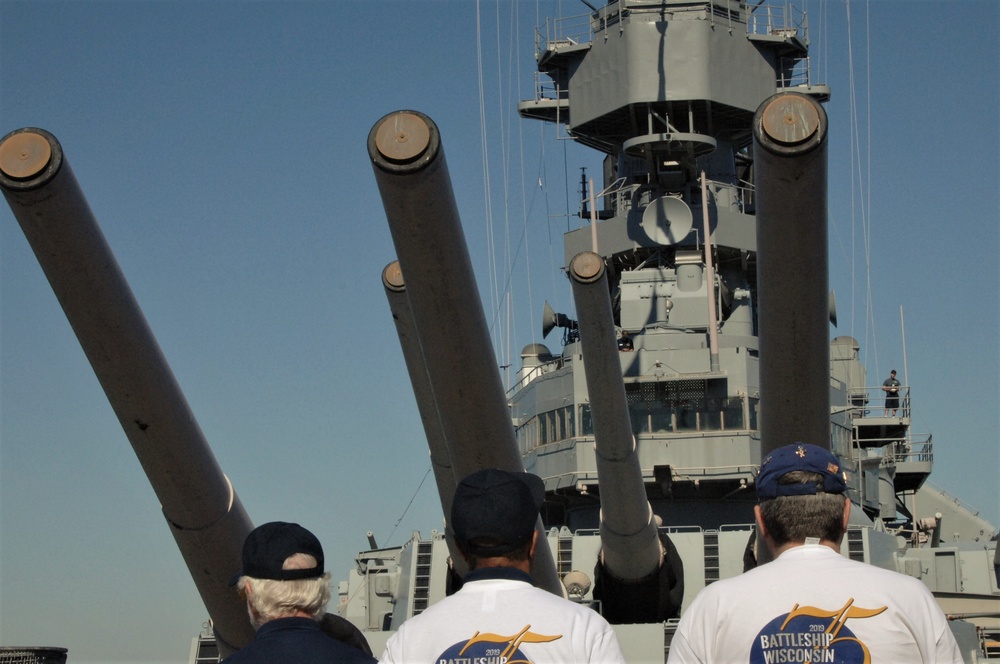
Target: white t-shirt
499	616
813	604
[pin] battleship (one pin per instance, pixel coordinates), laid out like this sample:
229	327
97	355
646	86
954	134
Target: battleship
666	344
701	339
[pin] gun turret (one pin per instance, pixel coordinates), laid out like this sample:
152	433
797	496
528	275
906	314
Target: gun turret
205	515
413	181
634	580
792	277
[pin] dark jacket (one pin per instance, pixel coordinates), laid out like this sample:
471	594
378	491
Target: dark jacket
296	641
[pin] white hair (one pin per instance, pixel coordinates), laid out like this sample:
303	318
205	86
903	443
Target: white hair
270	599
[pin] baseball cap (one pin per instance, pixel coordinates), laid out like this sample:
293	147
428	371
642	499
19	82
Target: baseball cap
267	547
804	457
497	506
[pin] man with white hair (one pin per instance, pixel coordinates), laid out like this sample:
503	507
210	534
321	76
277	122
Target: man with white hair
286	591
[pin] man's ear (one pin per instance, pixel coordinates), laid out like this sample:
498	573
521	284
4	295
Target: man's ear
847	514
534	542
761	530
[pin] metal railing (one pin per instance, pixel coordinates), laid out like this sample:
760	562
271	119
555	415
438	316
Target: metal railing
623	195
783	19
912	450
32	655
772	17
545	89
564	30
777	18
870	402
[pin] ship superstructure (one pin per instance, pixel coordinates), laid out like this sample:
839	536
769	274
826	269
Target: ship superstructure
668	92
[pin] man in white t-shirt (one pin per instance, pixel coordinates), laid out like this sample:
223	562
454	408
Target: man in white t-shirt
498	616
811	603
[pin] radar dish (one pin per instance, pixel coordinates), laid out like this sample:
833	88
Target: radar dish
667	220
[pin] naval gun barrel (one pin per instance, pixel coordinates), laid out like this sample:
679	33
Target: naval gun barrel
413	181
790	157
203	511
635	584
444	473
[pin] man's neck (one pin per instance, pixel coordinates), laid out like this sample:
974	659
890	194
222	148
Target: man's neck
486	563
777	551
293	614
497	573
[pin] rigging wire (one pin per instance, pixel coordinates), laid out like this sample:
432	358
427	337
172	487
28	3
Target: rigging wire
499	268
846	252
525	208
392	532
504	111
864	194
522	173
861	185
510	281
505	255
868	159
852	114
485	155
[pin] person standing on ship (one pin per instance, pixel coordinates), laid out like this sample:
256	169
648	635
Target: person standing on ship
891	388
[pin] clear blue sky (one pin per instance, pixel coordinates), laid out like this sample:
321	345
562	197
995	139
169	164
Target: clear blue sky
222	148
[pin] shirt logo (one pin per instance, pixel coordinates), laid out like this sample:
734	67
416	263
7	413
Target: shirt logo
811	634
487	648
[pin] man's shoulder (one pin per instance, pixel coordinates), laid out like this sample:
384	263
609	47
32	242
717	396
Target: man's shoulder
467	600
806	576
867	571
774	572
866	577
290	641
540	597
342	652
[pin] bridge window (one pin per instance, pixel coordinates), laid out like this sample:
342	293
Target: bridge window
654	408
548	427
684	406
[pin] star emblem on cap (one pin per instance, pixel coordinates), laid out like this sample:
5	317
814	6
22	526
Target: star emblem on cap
801	453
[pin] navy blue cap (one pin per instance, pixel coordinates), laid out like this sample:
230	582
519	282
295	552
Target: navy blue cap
803	457
495	506
267	547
